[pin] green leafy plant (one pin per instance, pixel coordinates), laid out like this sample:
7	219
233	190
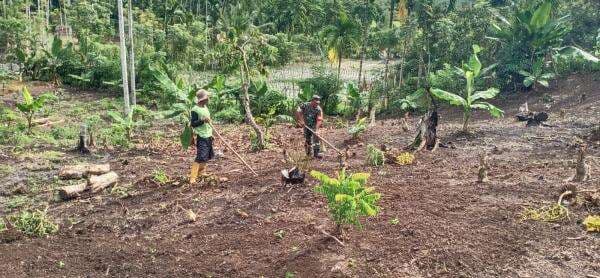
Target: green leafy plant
536	76
126	123
472	99
160	177
375	156
358	128
357	99
348	197
36	223
31	105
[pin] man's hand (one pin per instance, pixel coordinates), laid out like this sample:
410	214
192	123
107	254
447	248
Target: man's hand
207	120
300	124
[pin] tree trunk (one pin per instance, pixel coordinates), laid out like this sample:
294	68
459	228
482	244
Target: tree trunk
72	191
48	14
82	170
132	92
340	66
260	136
123	52
99	183
466	119
363	49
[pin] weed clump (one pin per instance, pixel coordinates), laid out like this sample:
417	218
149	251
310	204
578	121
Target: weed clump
2	225
405	158
592	223
37	223
554	213
375	156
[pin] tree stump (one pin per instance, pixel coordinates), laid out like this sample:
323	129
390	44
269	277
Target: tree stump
82	146
427	134
483	169
582	172
72	191
99	183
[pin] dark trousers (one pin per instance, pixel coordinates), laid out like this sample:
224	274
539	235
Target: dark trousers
311	140
204	149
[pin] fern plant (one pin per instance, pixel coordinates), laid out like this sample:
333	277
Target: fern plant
358	128
30	105
375	156
348	197
472	99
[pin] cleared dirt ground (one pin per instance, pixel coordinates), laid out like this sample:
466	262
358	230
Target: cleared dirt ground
448	225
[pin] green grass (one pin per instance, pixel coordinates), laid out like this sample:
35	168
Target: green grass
2	225
35	224
160	176
17	202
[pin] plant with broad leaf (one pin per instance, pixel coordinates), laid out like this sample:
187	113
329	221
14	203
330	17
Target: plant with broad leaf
472	99
356	99
348	197
129	122
184	97
30	105
536	76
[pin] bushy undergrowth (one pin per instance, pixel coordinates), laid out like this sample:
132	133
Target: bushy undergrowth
375	156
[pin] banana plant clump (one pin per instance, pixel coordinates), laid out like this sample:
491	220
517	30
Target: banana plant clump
472	99
348	197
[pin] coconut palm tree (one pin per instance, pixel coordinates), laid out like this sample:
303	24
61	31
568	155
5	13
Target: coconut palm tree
343	34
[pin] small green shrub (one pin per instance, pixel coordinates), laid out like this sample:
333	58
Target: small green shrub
358	128
160	177
348	198
375	156
31	105
230	114
254	144
36	223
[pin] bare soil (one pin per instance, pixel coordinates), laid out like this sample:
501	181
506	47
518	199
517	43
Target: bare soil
436	220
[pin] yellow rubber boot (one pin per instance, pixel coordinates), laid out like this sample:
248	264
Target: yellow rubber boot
194	172
202	169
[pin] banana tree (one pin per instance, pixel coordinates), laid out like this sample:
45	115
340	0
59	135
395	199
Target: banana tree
536	76
472	99
184	99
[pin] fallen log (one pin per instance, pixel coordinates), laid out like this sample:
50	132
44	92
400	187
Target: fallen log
99	183
82	170
72	191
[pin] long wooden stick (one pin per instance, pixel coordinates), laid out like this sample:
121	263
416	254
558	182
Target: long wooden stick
323	139
231	149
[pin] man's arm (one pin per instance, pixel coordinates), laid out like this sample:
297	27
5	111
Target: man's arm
195	120
320	118
299	117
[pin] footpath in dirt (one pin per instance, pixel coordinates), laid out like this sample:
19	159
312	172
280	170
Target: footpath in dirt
436	220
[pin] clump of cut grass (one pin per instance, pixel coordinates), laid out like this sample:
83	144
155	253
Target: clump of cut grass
375	156
592	223
554	213
36	223
405	158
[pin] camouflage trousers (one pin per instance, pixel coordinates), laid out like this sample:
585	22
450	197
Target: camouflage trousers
312	142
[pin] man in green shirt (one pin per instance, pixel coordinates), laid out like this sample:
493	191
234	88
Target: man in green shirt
201	123
310	115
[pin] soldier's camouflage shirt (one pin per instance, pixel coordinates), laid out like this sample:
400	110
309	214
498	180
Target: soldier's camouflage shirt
311	114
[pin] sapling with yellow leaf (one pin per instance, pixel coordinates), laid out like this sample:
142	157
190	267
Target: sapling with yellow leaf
348	197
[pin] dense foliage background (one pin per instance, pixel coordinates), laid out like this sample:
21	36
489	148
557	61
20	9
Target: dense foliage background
421	43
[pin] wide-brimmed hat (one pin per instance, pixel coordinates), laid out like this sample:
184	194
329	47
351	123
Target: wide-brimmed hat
202	95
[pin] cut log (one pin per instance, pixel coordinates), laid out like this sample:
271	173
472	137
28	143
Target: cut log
83	170
99	183
72	191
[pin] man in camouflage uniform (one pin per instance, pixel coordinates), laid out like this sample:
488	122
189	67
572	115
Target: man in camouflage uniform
310	115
